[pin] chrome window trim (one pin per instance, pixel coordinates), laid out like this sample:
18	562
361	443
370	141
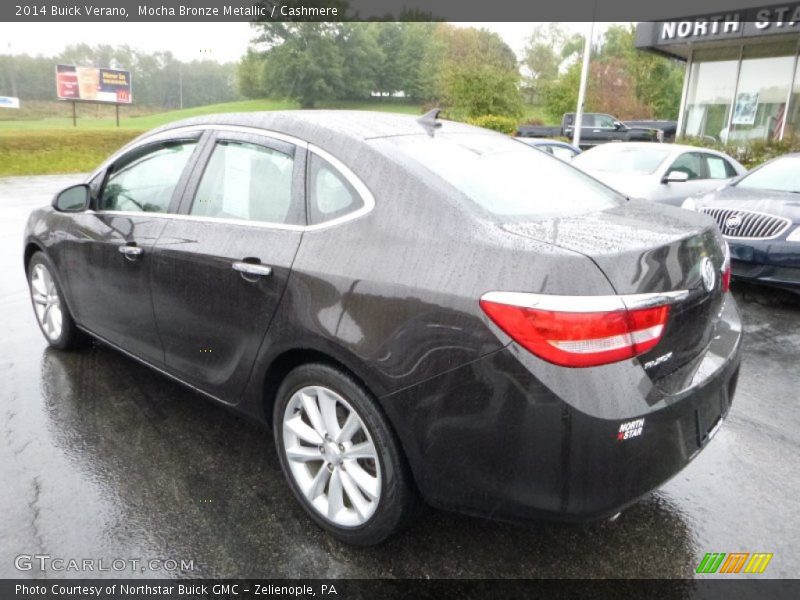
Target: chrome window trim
199	219
344	170
358	185
587	304
156	137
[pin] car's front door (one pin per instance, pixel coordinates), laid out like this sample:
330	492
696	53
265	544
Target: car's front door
109	257
221	267
694	166
604	129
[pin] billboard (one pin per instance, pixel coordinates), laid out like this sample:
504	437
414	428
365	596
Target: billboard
9	102
90	84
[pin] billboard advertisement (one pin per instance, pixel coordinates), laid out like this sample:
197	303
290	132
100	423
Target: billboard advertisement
91	84
9	102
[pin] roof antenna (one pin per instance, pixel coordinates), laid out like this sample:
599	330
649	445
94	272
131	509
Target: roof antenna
429	122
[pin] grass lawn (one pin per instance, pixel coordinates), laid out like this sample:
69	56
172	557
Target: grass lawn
40	152
42	144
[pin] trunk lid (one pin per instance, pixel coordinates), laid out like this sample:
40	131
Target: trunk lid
641	248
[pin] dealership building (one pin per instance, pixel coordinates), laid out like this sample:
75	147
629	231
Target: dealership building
742	77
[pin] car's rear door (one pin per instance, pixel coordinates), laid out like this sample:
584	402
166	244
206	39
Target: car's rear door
109	255
221	268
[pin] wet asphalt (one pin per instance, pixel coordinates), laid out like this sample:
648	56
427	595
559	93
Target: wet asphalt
101	458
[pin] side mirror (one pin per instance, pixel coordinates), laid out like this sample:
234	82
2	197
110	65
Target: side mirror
617	125
675	177
72	199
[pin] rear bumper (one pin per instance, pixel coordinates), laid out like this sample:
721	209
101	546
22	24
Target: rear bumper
606	476
770	263
490	438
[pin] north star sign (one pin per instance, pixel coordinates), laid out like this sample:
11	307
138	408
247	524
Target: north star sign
755	22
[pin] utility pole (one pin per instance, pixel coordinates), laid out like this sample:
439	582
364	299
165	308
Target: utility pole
587	50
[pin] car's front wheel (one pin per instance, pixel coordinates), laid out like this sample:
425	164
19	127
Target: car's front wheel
51	311
340	456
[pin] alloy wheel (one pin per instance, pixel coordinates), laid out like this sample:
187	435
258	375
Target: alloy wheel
46	302
331	456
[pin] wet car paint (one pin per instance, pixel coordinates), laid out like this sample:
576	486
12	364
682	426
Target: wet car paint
103	457
393	297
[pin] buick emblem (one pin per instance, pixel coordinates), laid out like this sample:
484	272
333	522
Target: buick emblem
708	274
733	222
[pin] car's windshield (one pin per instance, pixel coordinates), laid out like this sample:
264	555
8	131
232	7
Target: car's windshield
612	158
782	175
506	178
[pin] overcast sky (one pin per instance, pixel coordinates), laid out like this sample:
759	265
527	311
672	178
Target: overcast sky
187	41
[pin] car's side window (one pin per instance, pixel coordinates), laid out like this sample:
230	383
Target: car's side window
146	180
246	181
603	121
690	163
718	167
562	153
330	194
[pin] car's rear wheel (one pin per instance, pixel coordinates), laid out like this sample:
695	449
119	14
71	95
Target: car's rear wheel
340	456
51	311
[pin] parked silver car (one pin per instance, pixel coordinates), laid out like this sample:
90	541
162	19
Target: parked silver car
666	173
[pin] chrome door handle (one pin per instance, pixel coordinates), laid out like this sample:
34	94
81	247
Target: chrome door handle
252	269
130	251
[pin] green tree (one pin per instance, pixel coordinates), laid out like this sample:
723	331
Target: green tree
417	41
562	95
250	75
303	61
362	61
657	80
474	73
623	80
389	71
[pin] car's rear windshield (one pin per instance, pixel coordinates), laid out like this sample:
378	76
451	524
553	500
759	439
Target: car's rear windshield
506	178
611	158
782	175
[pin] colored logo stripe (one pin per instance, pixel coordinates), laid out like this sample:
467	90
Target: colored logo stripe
758	562
711	562
735	561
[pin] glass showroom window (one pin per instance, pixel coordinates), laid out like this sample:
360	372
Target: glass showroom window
793	124
712	84
764	81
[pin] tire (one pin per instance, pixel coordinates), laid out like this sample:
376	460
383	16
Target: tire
351	478
49	307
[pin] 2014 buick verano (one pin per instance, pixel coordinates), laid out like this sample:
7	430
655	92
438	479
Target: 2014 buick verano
416	307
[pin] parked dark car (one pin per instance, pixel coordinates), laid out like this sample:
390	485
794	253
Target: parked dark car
596	128
759	215
557	148
409	315
668	128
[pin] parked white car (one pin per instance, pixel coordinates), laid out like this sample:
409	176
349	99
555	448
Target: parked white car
666	173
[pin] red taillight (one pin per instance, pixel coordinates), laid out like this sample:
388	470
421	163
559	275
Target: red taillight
726	270
582	338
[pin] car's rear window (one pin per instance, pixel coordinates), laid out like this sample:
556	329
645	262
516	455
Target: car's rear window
505	178
611	158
